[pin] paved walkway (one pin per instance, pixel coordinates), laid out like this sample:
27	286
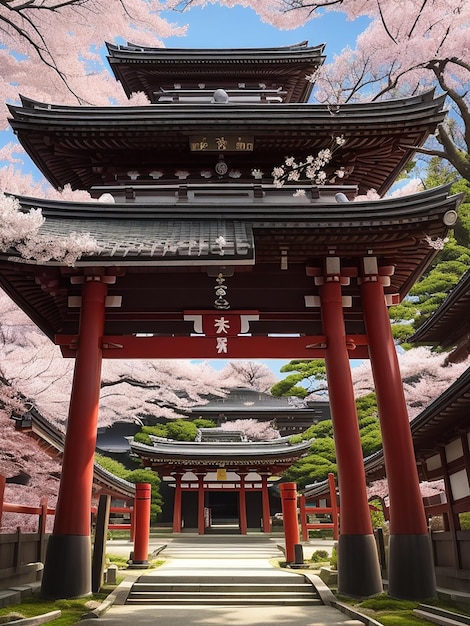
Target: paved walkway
194	556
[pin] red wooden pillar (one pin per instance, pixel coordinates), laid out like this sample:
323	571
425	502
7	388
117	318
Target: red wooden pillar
132	528
67	568
265	504
303	517
177	505
289	516
411	570
200	504
242	505
358	563
142	524
334	505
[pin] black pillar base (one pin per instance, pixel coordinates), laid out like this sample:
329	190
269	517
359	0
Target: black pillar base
138	565
67	569
358	566
411	573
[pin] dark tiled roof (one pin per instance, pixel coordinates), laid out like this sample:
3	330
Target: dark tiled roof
450	324
87	146
141	68
167	241
215	452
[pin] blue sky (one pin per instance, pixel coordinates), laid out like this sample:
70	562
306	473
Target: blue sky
220	27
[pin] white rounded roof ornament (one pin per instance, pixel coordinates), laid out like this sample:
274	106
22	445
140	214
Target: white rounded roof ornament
450	217
220	96
107	198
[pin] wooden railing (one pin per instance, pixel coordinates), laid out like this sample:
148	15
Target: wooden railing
332	511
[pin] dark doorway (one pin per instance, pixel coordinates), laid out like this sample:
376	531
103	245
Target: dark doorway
223	507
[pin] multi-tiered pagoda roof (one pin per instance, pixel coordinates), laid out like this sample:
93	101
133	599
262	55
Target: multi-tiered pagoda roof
187	194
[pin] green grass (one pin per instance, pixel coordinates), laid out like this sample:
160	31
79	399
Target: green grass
72	610
391	612
120	561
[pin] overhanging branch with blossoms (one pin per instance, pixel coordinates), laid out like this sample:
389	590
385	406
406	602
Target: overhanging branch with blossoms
311	169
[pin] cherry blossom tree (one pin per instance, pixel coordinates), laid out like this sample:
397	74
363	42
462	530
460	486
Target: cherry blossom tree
133	390
407	48
253	374
22	231
53	51
33	367
51	48
426	375
254	430
378	495
379	489
39	473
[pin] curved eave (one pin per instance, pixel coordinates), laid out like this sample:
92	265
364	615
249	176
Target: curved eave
141	68
380	137
444	419
450	323
421	107
174	58
216	452
438	424
173	54
429	205
51	439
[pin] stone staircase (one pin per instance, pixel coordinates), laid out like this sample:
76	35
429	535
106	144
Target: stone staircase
283	589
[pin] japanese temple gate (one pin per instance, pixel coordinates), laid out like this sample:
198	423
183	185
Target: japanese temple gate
221	462
201	256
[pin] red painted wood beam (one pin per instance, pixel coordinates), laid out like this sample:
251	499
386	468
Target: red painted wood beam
242	506
239	347
406	504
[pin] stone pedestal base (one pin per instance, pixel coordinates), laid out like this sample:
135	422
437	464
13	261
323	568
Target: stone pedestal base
67	569
358	566
411	568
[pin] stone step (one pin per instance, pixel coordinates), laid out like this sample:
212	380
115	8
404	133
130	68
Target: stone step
281	579
290	590
239	600
442	617
178	585
168	593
